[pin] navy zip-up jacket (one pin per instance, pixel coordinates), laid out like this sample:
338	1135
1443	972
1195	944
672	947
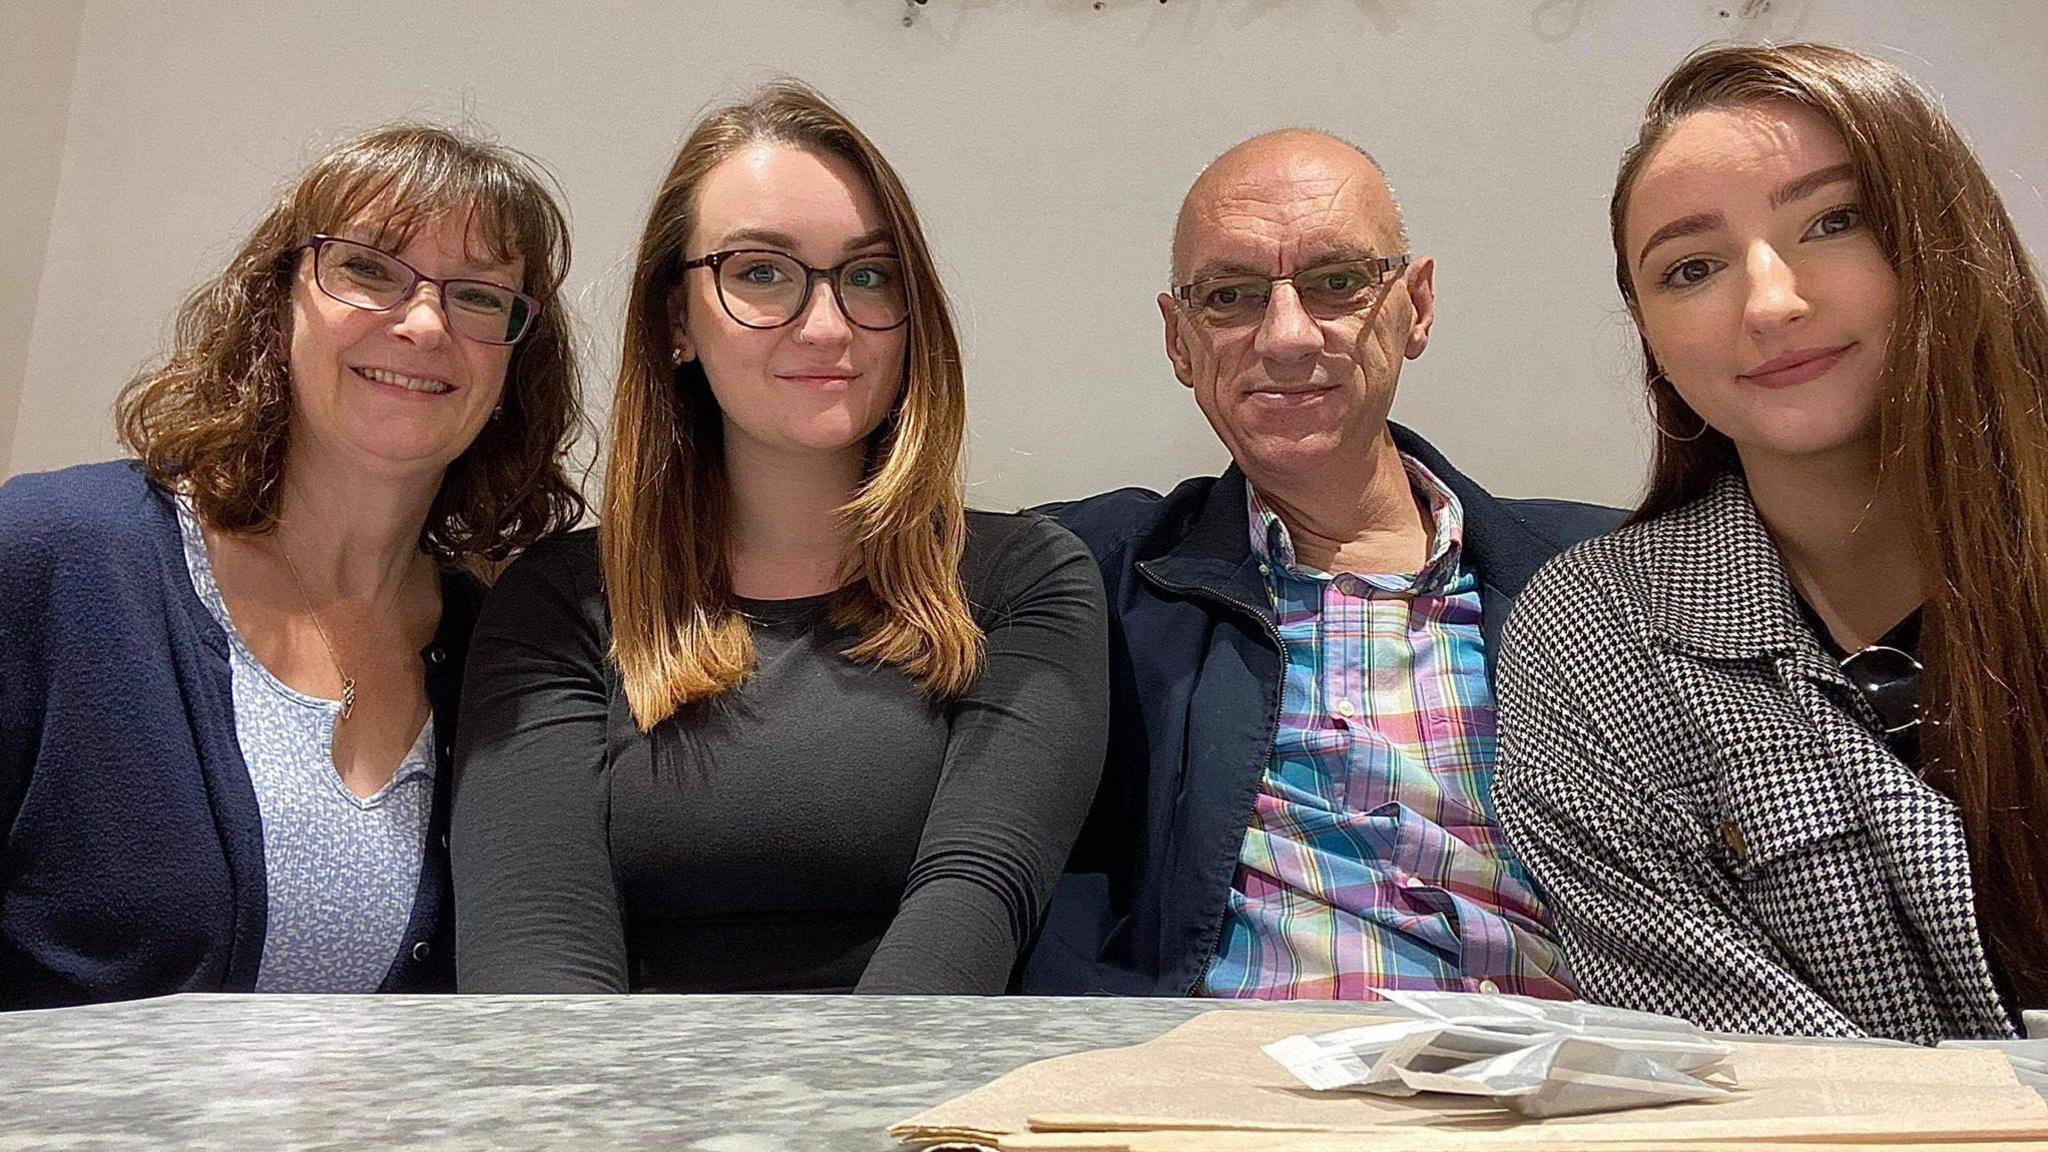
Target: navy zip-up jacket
132	859
1196	667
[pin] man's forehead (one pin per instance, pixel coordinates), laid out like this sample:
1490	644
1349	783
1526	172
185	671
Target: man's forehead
1299	190
1252	224
1298	199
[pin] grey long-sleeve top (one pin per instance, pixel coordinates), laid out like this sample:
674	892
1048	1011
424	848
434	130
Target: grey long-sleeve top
822	827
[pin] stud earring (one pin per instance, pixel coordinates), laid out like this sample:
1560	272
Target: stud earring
676	357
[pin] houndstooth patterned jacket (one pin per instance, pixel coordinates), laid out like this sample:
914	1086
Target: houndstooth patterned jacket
1721	833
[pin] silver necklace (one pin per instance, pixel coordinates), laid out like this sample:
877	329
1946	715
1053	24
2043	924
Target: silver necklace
348	682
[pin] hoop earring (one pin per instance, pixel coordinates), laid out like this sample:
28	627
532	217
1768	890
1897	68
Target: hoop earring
1650	403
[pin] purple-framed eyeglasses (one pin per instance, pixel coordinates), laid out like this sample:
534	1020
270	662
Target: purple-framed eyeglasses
764	288
362	276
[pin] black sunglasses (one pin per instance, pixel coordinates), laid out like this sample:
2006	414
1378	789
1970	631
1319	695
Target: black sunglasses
1888	679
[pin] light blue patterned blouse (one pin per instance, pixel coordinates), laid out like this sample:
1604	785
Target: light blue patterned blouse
341	869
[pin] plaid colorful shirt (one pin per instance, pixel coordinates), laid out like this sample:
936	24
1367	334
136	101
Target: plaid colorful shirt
1373	857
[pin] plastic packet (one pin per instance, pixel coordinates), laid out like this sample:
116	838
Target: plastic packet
1536	1057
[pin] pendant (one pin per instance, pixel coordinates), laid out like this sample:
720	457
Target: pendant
348	696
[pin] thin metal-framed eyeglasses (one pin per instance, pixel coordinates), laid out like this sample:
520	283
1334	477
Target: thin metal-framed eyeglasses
1327	291
1888	679
763	288
364	276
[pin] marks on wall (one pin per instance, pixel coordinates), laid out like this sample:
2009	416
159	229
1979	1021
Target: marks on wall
1552	21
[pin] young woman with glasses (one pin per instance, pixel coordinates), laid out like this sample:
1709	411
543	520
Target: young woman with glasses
792	718
229	668
1776	749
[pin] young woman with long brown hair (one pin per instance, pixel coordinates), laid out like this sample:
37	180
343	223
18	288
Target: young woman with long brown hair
229	668
792	718
1778	749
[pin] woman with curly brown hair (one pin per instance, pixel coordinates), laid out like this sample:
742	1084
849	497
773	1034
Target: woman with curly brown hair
230	666
793	718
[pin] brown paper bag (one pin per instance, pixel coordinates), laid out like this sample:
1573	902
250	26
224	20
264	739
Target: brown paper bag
1209	1075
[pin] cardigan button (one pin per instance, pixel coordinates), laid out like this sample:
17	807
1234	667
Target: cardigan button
420	950
1731	835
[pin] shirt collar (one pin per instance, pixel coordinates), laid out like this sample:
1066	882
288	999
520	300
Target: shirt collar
1272	546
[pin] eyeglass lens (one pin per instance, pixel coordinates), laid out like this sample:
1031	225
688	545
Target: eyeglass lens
768	289
1889	680
374	279
1328	292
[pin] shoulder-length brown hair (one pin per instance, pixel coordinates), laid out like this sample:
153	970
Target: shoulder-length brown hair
213	421
1961	420
666	532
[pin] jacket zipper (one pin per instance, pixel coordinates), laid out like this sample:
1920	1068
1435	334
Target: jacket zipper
1213	935
1198	592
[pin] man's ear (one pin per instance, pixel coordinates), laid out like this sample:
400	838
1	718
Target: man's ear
1422	294
1176	339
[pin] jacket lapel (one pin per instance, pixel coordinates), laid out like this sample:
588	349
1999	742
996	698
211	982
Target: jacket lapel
1215	556
1501	550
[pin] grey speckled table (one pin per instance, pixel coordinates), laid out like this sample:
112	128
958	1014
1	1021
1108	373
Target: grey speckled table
697	1073
705	1073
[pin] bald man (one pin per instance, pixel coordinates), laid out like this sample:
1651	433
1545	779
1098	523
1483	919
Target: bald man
1297	801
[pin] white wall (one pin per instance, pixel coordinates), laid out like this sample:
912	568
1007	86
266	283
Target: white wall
1047	143
38	47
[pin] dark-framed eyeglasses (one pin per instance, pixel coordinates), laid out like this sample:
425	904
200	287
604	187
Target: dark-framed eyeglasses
1888	679
762	288
364	276
1327	291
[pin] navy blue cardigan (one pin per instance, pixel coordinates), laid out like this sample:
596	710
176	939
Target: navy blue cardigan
1196	666
132	863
